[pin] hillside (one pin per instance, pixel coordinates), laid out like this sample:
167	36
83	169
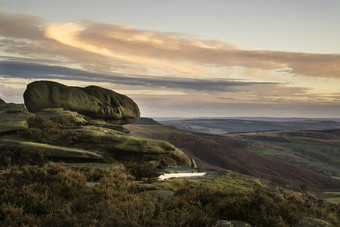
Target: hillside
237	125
229	155
315	150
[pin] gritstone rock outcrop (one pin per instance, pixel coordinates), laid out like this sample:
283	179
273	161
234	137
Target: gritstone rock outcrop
74	124
90	101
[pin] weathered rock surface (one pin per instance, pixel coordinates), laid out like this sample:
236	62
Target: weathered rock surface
91	101
95	137
2	102
86	142
120	129
121	145
50	151
312	222
13	117
232	223
60	113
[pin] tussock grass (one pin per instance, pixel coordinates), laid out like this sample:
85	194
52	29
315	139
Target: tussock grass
59	195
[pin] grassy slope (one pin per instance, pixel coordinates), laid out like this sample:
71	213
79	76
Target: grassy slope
229	155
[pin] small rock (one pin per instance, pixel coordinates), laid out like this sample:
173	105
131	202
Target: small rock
312	222
193	163
231	223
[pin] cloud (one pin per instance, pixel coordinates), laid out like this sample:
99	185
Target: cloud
182	90
124	49
7	91
173	51
16	69
21	26
68	34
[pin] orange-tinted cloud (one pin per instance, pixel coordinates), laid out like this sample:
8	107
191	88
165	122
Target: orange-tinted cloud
69	33
130	50
171	50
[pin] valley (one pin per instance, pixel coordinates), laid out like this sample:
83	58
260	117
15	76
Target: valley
236	152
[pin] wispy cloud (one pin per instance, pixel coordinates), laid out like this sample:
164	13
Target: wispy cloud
114	46
29	70
68	34
173	51
194	90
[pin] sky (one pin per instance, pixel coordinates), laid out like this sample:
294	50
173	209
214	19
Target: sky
193	58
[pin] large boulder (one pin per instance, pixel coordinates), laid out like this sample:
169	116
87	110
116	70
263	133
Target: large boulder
90	101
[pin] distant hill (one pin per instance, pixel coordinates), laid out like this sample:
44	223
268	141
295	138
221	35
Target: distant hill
161	119
312	149
244	125
146	121
231	153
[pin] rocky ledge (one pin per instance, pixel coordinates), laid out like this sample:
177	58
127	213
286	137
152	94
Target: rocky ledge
73	124
13	117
